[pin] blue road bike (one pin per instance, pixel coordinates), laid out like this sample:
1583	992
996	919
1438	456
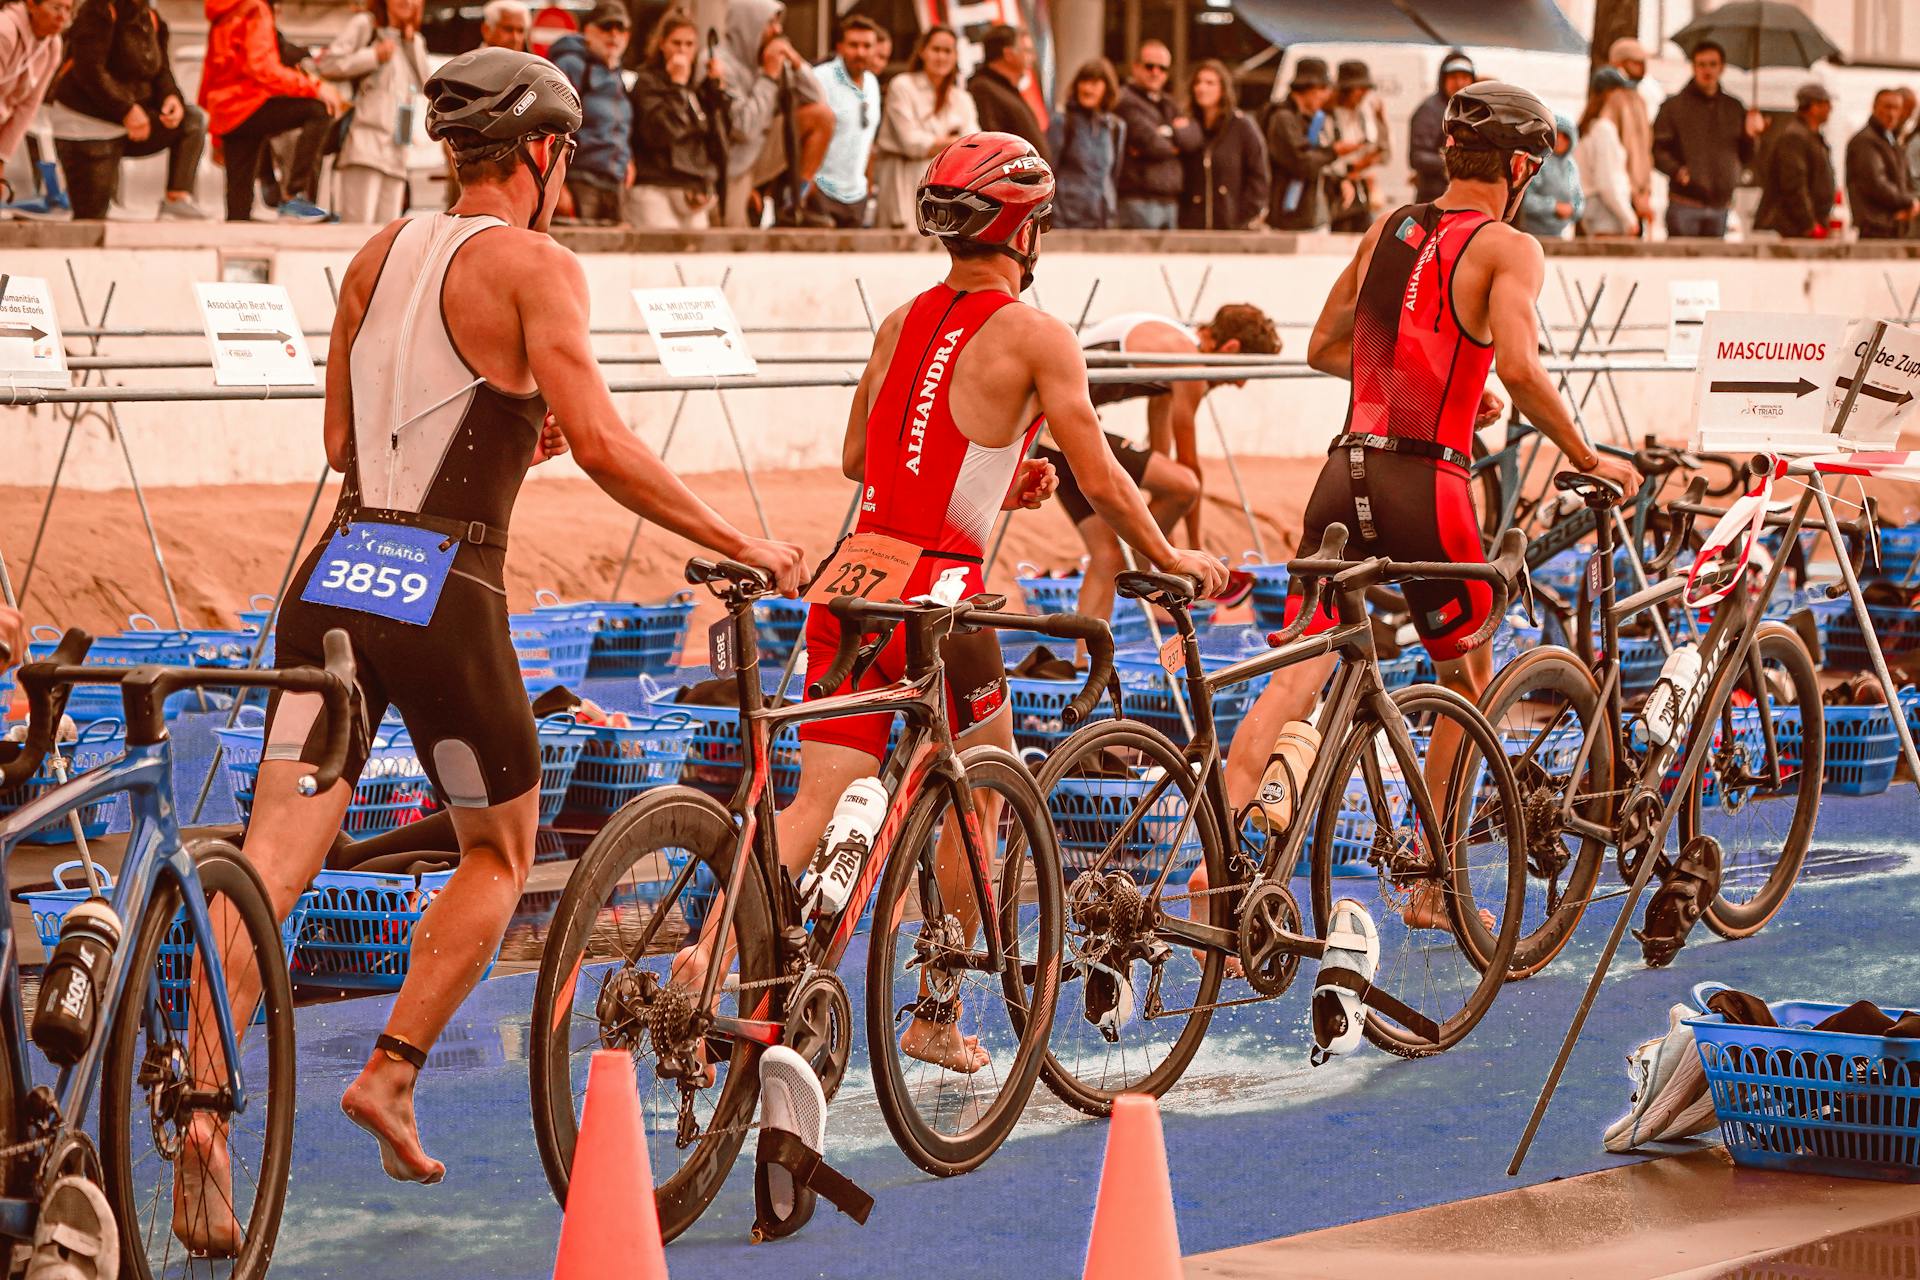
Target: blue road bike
164	1052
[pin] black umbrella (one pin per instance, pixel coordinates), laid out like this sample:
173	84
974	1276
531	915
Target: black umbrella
1759	33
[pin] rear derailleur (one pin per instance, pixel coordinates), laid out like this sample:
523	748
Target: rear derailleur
1110	926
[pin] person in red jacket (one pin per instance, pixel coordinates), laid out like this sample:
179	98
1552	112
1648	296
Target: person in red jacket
250	95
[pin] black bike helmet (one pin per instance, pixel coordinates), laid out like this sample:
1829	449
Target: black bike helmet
491	102
1491	116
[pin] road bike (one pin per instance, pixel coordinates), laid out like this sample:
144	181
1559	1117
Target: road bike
165	1050
1136	813
675	865
1735	770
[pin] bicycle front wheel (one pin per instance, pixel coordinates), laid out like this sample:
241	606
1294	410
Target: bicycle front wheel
1427	889
952	1086
166	1110
599	988
1763	829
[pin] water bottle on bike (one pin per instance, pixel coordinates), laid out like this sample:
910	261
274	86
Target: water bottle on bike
828	880
1670	694
69	1006
1286	776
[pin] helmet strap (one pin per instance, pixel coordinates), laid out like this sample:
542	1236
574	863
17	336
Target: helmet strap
540	179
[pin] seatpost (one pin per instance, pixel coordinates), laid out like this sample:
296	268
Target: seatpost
1609	624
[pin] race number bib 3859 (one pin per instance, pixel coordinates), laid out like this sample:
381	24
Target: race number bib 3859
389	570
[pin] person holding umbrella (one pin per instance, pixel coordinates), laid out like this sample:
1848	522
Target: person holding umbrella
1796	177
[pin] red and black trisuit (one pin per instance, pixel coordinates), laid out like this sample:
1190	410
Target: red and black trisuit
927	484
1397	475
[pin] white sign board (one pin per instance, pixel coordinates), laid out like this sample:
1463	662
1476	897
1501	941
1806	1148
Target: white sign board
255	336
1688	303
1886	401
695	333
30	350
1762	381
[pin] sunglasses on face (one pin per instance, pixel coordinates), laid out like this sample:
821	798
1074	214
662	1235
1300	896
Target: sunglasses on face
1160	68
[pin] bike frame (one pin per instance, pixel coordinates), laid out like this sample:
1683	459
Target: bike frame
925	754
145	775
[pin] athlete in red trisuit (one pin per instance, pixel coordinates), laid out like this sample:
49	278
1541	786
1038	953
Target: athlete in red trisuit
956	387
1436	297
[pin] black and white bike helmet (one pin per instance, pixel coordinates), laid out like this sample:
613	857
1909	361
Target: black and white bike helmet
492	102
1503	118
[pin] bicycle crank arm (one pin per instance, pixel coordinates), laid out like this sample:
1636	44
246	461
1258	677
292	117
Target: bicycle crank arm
1195	934
1374	998
757	1030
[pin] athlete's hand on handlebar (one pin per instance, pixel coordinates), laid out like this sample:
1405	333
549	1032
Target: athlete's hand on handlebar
1205	569
783	560
13	637
552	442
1032	486
1491	407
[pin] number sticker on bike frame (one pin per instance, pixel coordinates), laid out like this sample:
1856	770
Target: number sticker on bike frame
866	566
391	571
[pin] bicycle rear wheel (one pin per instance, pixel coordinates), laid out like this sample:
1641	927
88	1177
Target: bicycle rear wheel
1093	807
1543	706
163	1056
1763	830
925	943
1369	844
594	992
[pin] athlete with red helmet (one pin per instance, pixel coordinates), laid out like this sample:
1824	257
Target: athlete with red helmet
955	389
1436	297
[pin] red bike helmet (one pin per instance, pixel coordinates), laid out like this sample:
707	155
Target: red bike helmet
990	189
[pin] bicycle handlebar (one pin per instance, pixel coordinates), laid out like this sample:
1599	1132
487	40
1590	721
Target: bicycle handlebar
855	615
1508	566
145	690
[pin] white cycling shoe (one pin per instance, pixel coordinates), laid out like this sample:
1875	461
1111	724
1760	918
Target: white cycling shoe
1351	959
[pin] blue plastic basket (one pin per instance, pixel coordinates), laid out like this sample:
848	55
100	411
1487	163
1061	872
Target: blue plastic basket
553	648
1037	705
1899	548
1410	668
357	930
259	609
1269	598
714	748
1062	595
1792	1098
561	741
1147	693
99	742
778	625
1088	811
138	647
393	789
1897	628
50	910
1641	658
615	765
1514	637
1863	750
1562	573
1353	831
625	639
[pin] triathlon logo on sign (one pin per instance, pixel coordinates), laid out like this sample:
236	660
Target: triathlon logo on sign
1761	381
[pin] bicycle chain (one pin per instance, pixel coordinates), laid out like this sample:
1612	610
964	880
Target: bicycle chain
22	1148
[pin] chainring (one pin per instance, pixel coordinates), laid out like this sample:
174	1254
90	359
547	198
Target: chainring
1266	912
819	1027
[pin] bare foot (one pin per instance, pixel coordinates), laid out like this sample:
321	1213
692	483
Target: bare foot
943	1046
380	1100
1427	909
203	1217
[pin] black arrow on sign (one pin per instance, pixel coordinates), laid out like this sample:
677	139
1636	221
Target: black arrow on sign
1795	389
249	335
1878	393
696	333
31	332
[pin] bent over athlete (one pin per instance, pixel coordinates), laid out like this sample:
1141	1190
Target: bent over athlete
456	333
949	401
1436	297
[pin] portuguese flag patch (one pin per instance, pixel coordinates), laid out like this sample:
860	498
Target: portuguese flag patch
1411	232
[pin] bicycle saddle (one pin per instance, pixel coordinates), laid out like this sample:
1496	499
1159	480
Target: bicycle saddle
1588	486
1165	588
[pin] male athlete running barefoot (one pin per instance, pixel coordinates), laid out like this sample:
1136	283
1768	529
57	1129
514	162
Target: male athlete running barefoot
455	332
1436	297
943	415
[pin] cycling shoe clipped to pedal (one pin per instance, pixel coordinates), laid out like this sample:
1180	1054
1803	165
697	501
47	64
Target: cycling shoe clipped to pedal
76	1238
1683	897
1347	967
789	1172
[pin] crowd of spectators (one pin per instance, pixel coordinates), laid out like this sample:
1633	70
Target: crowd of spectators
745	132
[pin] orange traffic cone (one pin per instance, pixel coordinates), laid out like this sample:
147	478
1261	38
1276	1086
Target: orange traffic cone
611	1227
1134	1236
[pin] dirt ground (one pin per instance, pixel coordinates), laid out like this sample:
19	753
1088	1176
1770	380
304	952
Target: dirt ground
222	545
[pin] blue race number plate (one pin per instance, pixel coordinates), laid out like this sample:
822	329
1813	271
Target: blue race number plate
389	570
